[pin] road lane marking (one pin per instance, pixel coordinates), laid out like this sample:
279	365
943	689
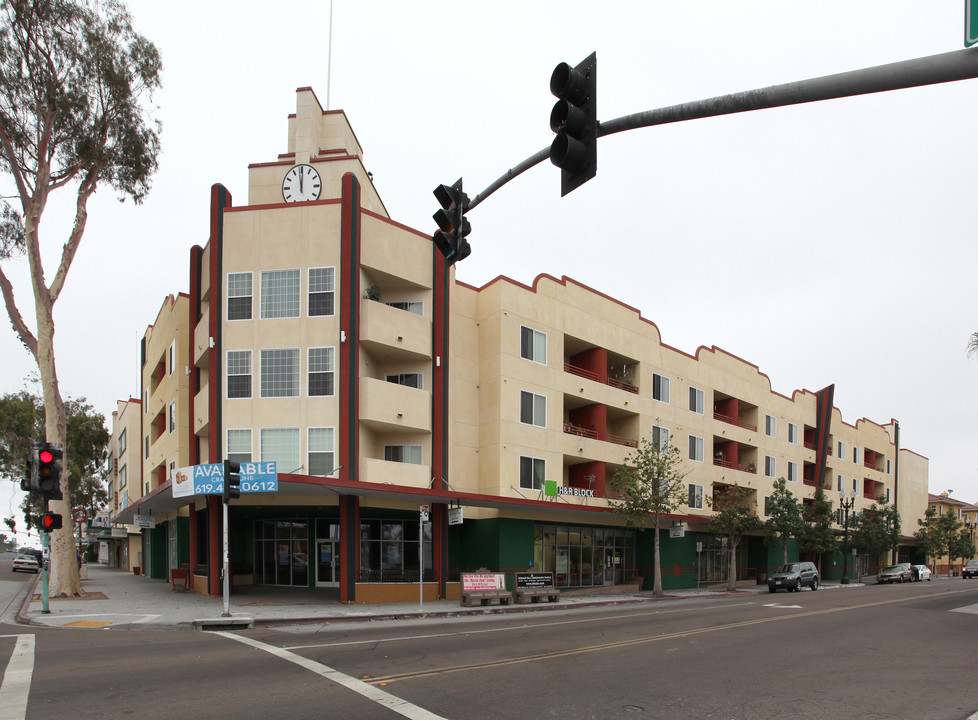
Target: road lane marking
381	697
17	679
386	679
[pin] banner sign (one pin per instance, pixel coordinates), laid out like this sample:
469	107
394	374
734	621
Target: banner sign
527	581
144	521
455	515
483	581
209	479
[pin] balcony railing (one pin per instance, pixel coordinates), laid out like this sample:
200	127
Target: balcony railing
572	429
627	442
735	466
870	465
809	445
589	375
739	423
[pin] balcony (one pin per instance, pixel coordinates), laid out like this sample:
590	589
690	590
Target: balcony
734	411
590	375
731	421
383	472
390	407
748	468
392	334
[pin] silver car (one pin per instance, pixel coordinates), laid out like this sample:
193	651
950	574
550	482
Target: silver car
793	576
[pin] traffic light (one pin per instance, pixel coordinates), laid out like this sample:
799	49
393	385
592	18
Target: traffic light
27	480
575	120
232	480
46	470
50	521
452	223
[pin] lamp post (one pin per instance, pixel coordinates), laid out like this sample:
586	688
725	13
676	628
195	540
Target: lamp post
846	507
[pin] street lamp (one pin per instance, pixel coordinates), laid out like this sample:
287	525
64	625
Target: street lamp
846	507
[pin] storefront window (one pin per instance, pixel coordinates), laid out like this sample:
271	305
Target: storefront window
583	556
282	552
389	551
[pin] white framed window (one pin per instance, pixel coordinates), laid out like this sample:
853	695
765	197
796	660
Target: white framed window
320	451
855	454
660	438
660	388
695	500
279	373
533	409
411	379
888	500
173	416
770	466
839	519
322	290
321	364
792	471
696	448
239	373
282	446
842	450
841	483
239	296
123	472
412	306
146	445
855	487
889	467
696	400
279	294
533	472
172	355
767	505
122	442
533	345
770	426
239	445
792	433
403	454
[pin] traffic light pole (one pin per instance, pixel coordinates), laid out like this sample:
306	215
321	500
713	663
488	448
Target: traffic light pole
46	556
931	70
227	584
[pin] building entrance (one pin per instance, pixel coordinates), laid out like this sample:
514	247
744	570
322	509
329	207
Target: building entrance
327	563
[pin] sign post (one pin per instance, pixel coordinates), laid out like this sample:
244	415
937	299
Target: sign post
422	520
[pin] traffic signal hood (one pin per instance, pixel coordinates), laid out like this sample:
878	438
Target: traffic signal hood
232	480
452	223
574	118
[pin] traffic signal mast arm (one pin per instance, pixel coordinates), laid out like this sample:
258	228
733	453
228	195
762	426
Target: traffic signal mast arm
931	70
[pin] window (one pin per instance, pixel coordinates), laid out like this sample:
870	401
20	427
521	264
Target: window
172	355
696	448
414	379
855	455
321	291
533	409
239	445
282	446
173	416
412	306
533	472
280	373
239	296
403	454
321	451
279	294
792	433
854	488
770	467
660	388
842	450
122	442
146	446
695	496
696	400
122	477
888	496
839	519
533	345
889	467
770	426
841	482
792	471
239	373
321	366
660	438
767	504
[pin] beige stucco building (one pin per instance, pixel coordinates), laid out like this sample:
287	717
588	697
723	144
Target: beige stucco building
320	334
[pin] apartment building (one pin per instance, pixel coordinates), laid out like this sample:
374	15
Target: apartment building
321	334
124	472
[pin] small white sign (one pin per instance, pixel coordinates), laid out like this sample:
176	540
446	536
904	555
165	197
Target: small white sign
678	531
455	515
144	521
424	513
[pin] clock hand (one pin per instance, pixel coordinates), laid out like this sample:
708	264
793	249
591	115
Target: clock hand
300	180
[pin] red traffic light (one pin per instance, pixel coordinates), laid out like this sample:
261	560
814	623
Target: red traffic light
46	456
51	521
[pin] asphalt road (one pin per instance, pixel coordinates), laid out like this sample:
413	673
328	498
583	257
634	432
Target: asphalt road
896	651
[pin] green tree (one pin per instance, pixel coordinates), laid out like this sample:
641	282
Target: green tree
649	487
876	530
86	446
784	517
937	533
76	82
817	534
961	546
736	515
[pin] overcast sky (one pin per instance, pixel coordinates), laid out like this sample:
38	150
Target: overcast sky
828	243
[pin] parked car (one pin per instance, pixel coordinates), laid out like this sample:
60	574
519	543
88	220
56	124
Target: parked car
895	573
970	569
793	576
27	563
923	572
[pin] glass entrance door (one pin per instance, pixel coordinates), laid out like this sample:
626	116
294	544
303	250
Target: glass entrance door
327	563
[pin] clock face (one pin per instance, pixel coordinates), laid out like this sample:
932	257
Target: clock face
301	184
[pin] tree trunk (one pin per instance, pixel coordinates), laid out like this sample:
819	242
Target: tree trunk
732	576
657	584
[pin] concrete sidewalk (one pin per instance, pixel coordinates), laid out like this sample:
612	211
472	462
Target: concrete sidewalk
119	599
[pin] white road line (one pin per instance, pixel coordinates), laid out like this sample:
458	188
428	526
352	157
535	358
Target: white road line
381	697
509	628
17	679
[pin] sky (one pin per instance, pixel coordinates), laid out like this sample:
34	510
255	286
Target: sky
825	243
